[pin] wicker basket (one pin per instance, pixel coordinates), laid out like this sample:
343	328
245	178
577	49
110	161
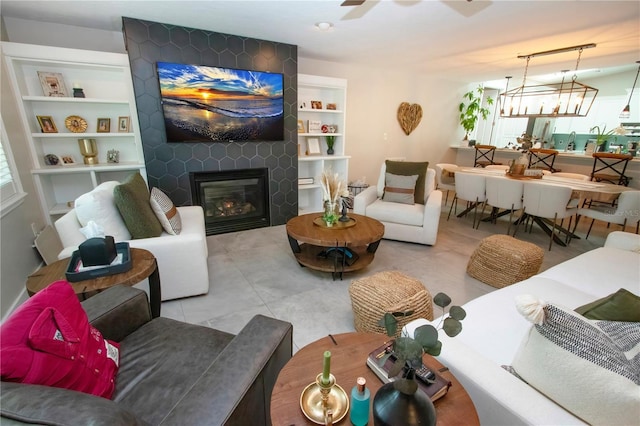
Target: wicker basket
390	291
501	260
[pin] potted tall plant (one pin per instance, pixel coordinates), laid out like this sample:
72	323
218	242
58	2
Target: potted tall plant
470	108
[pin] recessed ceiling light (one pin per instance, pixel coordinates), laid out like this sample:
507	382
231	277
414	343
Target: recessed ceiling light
324	26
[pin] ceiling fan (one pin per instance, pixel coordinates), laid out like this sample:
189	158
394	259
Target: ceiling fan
352	2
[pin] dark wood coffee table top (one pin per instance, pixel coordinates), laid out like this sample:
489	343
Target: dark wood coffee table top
362	238
143	265
348	362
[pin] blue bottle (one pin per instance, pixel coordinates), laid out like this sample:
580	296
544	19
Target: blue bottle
360	400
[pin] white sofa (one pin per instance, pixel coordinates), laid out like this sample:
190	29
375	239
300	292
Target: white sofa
415	223
182	259
493	331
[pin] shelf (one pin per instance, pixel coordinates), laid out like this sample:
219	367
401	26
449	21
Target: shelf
319	134
68	99
329	111
308	186
323	157
82	135
84	168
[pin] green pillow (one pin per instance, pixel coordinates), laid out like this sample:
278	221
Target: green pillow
408	168
132	199
619	306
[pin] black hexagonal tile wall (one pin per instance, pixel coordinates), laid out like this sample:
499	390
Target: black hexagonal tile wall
168	165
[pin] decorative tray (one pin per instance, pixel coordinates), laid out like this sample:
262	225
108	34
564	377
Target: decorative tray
74	276
311	403
338	225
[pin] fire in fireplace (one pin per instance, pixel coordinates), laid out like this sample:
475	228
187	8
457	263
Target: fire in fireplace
232	200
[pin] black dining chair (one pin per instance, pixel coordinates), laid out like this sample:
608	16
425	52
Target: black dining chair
484	155
540	158
610	168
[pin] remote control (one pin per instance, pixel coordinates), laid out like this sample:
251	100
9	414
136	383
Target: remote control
425	375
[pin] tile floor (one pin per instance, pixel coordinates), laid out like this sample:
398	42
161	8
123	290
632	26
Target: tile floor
254	272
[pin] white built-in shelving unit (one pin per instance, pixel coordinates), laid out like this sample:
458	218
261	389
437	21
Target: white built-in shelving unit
326	90
106	82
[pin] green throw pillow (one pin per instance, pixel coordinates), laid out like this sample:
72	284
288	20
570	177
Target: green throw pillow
619	306
408	168
132	199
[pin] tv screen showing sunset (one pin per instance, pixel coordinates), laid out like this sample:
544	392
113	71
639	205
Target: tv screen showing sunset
213	104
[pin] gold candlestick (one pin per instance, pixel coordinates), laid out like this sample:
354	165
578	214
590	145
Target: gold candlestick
318	399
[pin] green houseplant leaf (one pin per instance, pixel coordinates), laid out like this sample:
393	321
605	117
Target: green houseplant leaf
471	108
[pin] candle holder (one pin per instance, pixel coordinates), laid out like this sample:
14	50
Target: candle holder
318	398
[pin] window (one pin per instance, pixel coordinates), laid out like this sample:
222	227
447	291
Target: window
11	193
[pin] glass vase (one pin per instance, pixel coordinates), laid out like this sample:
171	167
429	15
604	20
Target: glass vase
331	213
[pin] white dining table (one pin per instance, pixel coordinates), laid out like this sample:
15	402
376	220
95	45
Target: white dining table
582	189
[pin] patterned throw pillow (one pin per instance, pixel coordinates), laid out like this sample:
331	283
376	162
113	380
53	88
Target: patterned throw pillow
166	212
591	368
399	189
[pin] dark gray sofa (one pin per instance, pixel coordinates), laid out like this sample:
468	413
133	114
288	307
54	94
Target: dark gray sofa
171	373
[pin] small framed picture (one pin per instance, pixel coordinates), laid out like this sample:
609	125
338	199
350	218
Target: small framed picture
124	124
46	124
316	104
52	160
104	125
300	126
331	106
313	146
314	126
68	160
52	84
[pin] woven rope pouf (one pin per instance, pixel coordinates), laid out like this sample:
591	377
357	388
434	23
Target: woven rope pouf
389	291
501	260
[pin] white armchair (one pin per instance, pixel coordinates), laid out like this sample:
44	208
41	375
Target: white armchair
415	223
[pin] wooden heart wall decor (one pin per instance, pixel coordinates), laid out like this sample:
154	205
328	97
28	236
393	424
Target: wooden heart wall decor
409	116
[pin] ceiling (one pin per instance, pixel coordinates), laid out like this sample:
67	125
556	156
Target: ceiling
462	40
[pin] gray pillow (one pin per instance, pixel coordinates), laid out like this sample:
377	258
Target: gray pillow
399	189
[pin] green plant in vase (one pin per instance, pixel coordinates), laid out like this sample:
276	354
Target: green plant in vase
391	401
333	188
471	108
331	140
602	135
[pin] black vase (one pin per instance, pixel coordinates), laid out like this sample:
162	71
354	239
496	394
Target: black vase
396	404
330	151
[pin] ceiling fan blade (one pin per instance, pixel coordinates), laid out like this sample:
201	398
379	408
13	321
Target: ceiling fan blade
352	2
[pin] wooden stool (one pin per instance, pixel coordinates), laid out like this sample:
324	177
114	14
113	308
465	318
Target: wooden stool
389	291
501	260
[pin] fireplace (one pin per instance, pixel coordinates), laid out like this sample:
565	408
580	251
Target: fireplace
232	200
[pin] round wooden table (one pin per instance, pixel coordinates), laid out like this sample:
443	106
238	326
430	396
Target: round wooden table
348	362
143	265
362	238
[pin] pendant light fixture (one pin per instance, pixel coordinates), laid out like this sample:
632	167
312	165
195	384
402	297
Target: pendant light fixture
626	112
564	99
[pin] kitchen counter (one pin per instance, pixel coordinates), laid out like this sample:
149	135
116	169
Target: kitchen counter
567	161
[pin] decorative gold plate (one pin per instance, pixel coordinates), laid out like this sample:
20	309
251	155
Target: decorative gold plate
75	123
311	403
338	225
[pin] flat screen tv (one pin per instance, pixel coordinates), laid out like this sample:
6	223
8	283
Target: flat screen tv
214	104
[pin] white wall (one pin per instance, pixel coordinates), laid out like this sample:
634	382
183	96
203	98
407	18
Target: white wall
18	259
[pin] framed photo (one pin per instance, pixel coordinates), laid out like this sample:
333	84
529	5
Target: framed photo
314	126
104	125
316	104
300	126
124	124
313	146
331	106
46	124
68	160
52	84
52	160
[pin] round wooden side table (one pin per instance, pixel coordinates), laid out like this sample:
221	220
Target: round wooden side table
349	353
143	265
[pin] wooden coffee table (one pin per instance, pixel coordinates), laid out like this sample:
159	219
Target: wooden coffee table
348	362
143	265
362	238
